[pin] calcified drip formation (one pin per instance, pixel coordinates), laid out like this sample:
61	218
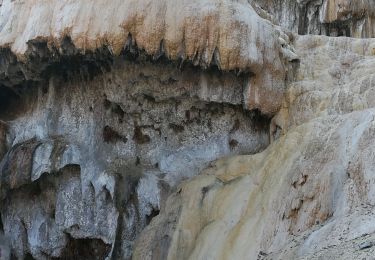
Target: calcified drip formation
113	114
100	122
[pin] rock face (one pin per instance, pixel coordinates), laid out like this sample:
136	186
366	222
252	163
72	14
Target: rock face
224	33
102	121
132	133
326	17
309	194
113	114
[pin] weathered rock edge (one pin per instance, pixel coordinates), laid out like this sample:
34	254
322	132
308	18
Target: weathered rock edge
226	34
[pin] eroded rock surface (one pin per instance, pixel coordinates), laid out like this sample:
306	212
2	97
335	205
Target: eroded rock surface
134	133
107	106
323	17
307	196
110	109
228	34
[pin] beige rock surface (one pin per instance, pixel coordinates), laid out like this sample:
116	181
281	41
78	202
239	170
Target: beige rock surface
227	33
335	77
310	195
192	30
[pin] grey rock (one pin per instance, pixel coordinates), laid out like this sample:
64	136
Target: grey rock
97	174
321	17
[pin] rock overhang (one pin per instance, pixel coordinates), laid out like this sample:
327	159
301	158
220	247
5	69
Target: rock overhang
227	34
102	92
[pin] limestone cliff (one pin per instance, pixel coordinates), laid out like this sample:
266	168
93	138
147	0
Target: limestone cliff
161	129
309	195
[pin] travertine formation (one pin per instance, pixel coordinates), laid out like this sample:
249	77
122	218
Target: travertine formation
309	195
105	111
224	33
187	129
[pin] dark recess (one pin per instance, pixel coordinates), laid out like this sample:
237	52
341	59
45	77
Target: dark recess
112	136
28	256
140	137
153	214
10	103
85	249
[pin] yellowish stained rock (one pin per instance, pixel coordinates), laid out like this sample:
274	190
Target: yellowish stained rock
307	196
223	32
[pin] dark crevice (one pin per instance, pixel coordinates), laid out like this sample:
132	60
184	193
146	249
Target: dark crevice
126	200
112	136
302	21
340	28
1	224
233	143
43	61
153	214
139	137
28	256
85	249
10	103
176	128
260	121
114	108
70	64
